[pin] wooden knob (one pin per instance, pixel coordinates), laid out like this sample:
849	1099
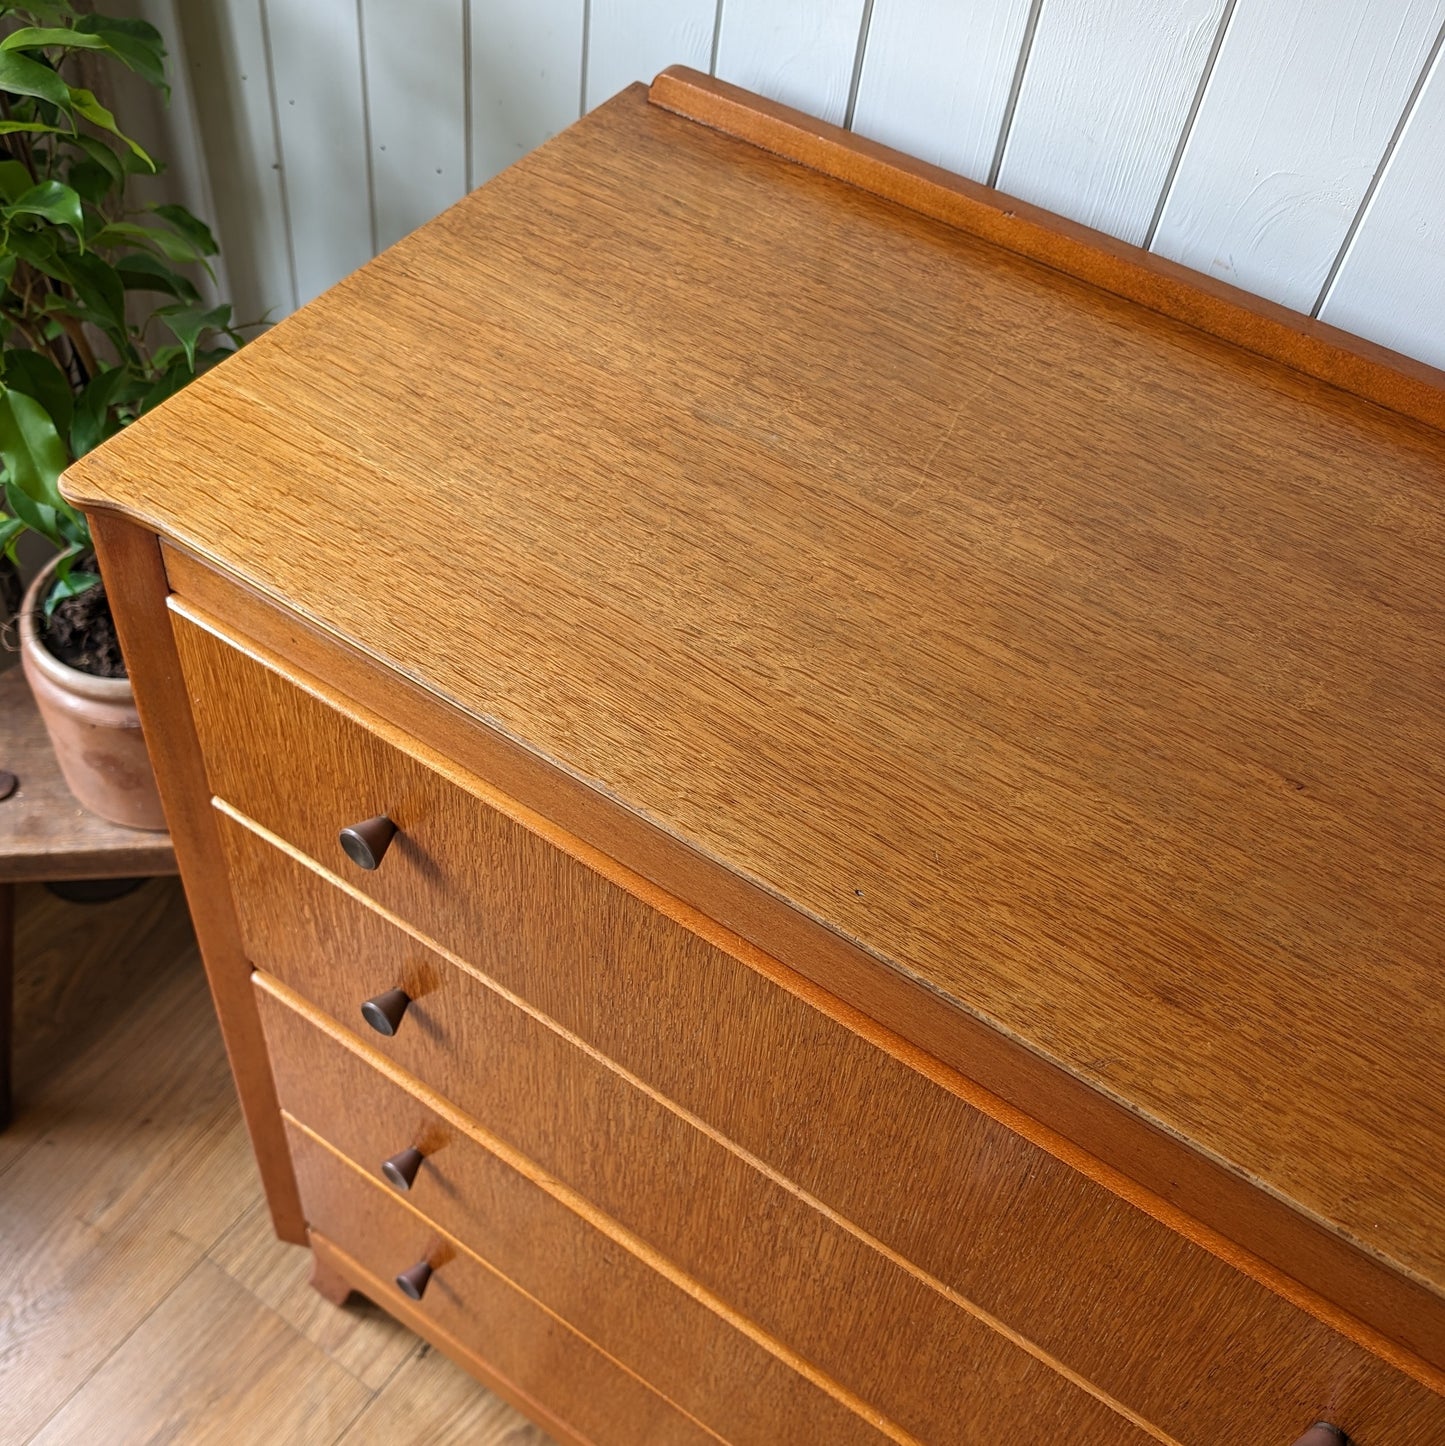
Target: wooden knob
401	1169
1323	1434
365	844
412	1283
384	1012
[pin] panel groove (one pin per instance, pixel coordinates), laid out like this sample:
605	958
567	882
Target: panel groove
280	158
1188	127
1017	85
586	55
716	37
863	25
1368	198
366	125
468	147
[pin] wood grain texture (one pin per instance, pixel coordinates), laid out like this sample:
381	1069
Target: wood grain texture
471	1310
126	1160
1273	174
136	584
1125	1149
1260	326
999	1234
631	40
416	109
362	1339
792	51
661	1326
1105	98
1158	720
44	832
1198	706
161	1376
1391	284
127	1170
456	1413
937	77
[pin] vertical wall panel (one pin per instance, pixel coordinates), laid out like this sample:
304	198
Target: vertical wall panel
633	39
1391	285
415	59
936	79
800	52
526	77
1104	101
316	70
224	50
1300	107
170	133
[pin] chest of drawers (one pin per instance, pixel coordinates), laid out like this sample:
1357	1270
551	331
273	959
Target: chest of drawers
813	802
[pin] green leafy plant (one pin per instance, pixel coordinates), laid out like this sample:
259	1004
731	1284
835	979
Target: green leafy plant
99	321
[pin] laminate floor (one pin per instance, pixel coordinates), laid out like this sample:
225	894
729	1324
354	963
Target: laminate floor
142	1296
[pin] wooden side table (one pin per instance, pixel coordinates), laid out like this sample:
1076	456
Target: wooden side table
46	836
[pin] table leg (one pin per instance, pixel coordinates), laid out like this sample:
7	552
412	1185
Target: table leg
7	994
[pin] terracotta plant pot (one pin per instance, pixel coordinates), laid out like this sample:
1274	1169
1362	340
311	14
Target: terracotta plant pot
93	726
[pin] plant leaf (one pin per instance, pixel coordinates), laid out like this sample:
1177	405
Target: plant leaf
34	37
19	75
15	179
171	245
68	583
35	515
85	104
53	201
101	154
10	529
10	127
135	43
188	322
92	422
140	271
191	227
35	374
99	289
31	449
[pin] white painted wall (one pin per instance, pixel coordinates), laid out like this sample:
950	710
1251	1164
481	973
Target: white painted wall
1294	147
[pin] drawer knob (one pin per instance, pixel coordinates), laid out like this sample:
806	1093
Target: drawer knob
365	844
384	1012
412	1283
401	1169
1323	1434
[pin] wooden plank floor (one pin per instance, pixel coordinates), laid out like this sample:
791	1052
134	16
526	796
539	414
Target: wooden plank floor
142	1295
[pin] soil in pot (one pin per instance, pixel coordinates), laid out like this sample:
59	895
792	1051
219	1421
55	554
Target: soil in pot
81	633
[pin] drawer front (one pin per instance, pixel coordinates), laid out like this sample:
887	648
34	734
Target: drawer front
984	1390
1157	1322
468	1301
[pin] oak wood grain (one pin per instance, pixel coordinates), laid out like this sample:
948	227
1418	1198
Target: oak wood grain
1081	666
524	1352
137	588
997	1230
1198	1197
660	1326
1258	324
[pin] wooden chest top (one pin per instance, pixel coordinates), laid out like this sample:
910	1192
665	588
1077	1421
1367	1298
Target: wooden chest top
1082	667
